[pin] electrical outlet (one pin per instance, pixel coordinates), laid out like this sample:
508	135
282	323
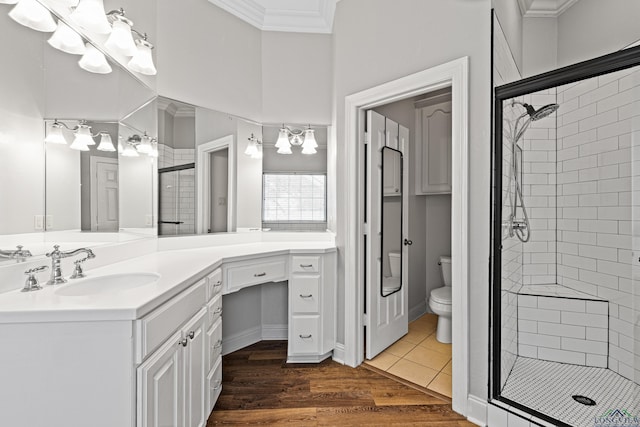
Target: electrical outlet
38	222
49	222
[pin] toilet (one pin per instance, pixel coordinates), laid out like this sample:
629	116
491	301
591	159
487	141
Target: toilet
392	283
440	302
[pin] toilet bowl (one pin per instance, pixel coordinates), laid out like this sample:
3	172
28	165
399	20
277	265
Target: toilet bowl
392	283
440	302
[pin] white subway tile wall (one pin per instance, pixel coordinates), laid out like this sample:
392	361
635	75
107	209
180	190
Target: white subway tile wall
177	191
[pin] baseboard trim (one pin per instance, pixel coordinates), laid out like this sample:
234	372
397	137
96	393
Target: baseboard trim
241	340
275	332
338	353
417	311
477	410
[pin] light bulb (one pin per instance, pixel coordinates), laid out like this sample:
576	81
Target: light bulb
55	136
105	142
94	61
251	148
284	150
130	151
83	133
121	39
309	139
257	154
142	61
145	145
308	150
91	16
283	139
32	14
67	40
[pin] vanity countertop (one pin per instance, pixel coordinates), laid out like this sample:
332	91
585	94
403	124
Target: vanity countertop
178	269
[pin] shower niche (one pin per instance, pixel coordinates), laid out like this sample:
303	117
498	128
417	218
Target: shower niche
565	333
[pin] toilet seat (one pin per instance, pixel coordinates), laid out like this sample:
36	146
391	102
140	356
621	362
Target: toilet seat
390	284
441	295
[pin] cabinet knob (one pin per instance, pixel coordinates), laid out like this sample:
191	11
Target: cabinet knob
218	344
183	342
217	386
192	334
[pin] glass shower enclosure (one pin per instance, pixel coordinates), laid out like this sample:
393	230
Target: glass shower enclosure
565	324
177	200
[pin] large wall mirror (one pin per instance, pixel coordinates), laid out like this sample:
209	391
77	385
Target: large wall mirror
86	197
391	219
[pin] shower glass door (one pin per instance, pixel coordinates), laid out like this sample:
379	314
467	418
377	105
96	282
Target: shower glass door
177	200
565	258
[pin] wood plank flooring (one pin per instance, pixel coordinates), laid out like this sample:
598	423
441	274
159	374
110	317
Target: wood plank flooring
260	388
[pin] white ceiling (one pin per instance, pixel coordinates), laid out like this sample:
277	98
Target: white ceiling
544	8
300	16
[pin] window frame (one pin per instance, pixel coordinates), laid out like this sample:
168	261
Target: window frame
301	221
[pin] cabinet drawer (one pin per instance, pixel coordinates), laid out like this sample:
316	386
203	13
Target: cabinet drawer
304	336
214	385
214	284
305	264
214	343
247	273
214	310
305	293
155	328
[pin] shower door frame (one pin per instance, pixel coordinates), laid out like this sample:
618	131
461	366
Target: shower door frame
606	64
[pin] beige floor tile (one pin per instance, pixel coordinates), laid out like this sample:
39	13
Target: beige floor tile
416	336
400	348
447	369
433	344
383	361
413	372
429	358
441	384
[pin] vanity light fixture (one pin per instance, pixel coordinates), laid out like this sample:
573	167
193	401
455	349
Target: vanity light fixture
106	144
83	137
55	136
90	15
67	40
288	137
137	144
94	61
32	14
121	38
254	147
145	144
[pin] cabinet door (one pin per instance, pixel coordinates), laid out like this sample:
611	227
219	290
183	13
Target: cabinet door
161	386
433	171
195	370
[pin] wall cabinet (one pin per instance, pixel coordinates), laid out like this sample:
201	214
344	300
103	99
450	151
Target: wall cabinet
433	149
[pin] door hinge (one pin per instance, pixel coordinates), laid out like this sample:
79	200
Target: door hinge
366	138
365	228
365	319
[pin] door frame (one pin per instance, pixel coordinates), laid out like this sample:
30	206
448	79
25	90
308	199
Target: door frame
454	74
203	170
93	179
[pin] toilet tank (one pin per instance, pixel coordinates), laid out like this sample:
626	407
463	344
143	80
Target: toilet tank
445	269
395	263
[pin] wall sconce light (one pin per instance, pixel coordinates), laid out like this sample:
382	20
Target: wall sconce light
94	61
67	40
137	144
288	137
32	14
90	15
254	148
121	40
83	137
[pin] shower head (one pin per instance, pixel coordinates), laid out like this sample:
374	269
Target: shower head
541	112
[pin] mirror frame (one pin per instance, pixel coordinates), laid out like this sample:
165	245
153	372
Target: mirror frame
382	199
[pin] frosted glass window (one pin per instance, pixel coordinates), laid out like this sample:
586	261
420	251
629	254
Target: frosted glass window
294	197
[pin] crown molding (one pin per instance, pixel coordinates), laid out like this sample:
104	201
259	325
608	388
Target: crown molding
273	15
544	8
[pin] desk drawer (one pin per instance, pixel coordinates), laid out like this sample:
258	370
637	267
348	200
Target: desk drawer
214	342
214	385
305	293
214	310
156	327
304	336
214	283
247	273
305	264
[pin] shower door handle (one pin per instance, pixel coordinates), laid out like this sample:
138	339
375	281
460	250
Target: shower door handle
408	242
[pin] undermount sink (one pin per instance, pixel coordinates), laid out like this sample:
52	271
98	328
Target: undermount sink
107	284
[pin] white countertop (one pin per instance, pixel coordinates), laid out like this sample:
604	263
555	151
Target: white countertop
178	269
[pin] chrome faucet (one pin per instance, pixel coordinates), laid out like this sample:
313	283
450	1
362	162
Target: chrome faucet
56	270
18	253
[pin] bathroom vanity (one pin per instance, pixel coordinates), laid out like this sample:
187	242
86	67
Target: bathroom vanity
150	355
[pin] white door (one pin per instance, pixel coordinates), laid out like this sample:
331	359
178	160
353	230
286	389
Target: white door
104	194
161	386
196	371
387	316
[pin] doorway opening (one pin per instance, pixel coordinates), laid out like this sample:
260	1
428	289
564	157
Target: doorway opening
454	75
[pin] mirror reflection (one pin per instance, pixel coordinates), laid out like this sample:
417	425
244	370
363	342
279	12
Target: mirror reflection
391	218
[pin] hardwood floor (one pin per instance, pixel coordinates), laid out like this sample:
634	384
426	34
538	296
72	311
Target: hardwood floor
260	388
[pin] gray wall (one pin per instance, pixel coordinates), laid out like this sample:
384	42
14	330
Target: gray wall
377	41
510	17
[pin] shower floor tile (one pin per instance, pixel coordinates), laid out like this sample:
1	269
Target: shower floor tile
548	387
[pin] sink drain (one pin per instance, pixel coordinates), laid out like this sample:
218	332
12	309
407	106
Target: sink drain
584	400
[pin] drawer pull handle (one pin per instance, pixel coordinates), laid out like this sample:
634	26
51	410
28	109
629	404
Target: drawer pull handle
218	344
217	386
192	334
305	337
306	296
218	310
260	274
183	342
217	284
306	265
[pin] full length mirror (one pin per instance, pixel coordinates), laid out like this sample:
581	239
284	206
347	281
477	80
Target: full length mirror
39	85
391	218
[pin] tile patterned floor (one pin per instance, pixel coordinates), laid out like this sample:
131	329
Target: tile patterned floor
418	357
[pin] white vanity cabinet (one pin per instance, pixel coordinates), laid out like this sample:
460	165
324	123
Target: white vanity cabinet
433	149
